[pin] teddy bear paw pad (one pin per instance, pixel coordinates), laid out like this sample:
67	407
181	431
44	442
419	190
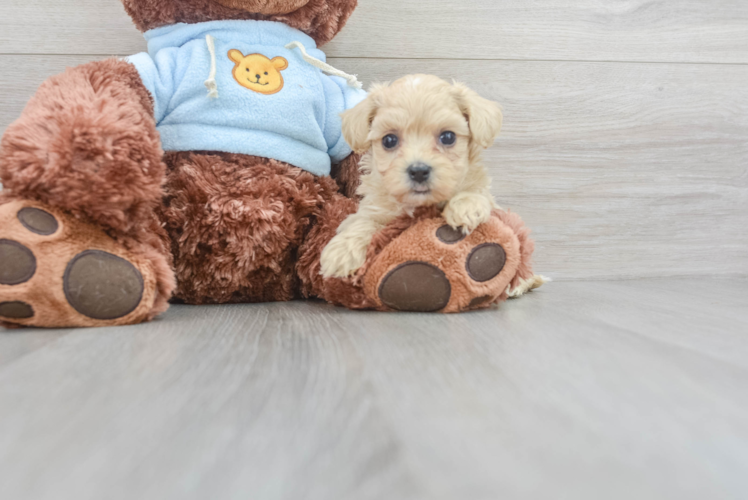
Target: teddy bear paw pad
17	263
38	221
100	285
16	310
56	271
449	235
485	262
416	287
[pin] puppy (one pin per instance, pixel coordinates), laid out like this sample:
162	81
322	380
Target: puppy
423	140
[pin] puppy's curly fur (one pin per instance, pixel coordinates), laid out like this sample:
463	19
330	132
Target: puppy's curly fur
439	128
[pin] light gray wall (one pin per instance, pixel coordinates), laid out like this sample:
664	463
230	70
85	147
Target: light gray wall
625	144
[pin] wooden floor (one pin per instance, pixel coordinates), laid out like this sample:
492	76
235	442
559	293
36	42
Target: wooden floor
582	390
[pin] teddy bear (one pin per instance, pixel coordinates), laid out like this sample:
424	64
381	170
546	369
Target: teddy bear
212	169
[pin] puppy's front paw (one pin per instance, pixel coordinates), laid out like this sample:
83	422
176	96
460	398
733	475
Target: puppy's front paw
342	257
467	210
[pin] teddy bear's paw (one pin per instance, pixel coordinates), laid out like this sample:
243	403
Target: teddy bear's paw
56	271
433	267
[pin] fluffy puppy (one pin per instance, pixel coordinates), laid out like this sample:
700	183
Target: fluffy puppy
423	140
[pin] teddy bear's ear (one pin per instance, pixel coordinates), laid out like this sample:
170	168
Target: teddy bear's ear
483	116
236	56
279	63
357	123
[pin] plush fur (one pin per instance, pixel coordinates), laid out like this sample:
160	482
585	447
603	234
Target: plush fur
348	175
345	292
320	19
416	110
235	224
525	280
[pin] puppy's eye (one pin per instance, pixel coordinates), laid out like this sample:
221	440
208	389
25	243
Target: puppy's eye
448	138
390	141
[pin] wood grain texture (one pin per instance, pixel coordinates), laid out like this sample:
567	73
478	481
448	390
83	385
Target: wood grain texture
69	27
613	390
627	30
622	170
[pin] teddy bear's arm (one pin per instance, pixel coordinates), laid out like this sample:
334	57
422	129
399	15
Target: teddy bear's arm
87	143
347	175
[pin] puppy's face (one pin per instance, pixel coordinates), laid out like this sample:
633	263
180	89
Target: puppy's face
424	136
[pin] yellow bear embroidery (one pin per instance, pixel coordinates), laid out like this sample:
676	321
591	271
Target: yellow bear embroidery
257	72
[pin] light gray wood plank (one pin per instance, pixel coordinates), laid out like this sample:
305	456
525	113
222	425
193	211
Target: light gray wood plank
17	343
631	30
617	390
68	27
545	397
622	170
585	30
209	402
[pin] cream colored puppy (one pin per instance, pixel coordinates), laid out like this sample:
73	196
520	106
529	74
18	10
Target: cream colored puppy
423	140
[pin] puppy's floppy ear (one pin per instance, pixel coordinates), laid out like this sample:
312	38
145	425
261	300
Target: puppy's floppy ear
357	122
484	116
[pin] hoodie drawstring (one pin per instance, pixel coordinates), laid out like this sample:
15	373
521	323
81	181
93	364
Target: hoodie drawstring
211	83
324	67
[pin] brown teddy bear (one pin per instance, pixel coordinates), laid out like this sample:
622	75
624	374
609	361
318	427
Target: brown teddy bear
213	170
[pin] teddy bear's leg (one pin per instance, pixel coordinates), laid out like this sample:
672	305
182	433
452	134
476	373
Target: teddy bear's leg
82	171
431	267
236	223
58	271
421	264
346	292
348	175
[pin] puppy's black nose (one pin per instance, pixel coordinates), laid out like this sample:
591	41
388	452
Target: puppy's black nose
258	76
419	172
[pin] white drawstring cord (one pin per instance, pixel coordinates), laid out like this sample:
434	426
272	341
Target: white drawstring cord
211	83
326	68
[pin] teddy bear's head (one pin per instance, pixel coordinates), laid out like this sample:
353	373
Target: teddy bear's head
320	19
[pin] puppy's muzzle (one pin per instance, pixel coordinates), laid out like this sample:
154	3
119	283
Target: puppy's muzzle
419	173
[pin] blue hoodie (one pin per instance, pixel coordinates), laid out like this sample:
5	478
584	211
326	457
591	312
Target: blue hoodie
262	98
